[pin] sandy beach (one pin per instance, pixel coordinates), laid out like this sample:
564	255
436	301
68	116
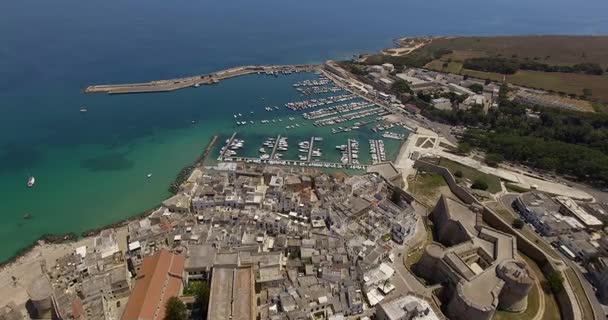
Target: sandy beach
28	266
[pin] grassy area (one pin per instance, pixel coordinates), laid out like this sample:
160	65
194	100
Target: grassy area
543	49
427	187
529	313
415	254
547	49
453	67
551	309
557	81
462	55
472	174
579	292
600	107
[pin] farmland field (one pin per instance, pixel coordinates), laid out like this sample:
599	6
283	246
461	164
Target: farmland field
547	49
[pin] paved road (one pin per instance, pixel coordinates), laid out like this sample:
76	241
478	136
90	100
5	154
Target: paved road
599	309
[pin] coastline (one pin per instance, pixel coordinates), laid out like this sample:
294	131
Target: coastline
70	238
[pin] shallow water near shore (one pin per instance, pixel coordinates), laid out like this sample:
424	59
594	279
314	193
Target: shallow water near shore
91	167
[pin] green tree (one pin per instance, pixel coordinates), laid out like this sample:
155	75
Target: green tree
518	223
401	86
464	148
202	298
555	280
476	87
175	309
587	92
479	185
494	159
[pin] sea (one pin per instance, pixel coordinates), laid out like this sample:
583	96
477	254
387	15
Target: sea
91	168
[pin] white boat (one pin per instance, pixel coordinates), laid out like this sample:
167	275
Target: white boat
149	175
31	181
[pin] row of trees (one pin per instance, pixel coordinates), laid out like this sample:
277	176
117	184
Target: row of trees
564	158
510	66
563	141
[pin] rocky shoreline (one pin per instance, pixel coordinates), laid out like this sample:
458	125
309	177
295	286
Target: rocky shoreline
185	172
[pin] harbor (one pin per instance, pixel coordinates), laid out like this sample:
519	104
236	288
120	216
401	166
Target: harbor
321	132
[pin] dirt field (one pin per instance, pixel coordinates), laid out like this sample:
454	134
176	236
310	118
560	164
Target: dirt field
556	81
547	49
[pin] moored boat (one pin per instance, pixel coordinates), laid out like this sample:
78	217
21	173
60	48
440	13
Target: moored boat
31	181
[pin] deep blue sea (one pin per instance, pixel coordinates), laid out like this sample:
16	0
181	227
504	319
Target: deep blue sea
90	167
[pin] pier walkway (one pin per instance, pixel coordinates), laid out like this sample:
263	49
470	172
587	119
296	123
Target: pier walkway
195	81
274	149
312	142
313	164
227	147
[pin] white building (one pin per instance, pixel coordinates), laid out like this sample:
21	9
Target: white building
406	308
442	103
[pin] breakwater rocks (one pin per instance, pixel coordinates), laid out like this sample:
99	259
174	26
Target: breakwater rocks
59	238
181	177
185	172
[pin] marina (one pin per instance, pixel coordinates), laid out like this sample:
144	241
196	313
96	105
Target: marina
393	135
313	103
342	108
376	150
350	116
318	90
325	113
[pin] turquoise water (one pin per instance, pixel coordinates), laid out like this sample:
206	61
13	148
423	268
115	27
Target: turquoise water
91	168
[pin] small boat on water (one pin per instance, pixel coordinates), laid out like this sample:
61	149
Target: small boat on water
31	181
149	175
83	109
27	216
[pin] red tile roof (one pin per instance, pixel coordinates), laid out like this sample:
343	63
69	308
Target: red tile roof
159	279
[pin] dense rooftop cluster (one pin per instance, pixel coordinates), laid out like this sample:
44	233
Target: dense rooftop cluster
271	242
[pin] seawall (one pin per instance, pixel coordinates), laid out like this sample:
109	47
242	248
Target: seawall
195	81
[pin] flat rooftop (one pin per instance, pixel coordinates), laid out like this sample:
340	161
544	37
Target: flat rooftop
231	294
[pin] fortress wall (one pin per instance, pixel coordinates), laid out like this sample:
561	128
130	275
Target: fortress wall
564	299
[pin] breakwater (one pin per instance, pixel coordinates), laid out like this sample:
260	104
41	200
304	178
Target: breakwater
185	172
195	81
